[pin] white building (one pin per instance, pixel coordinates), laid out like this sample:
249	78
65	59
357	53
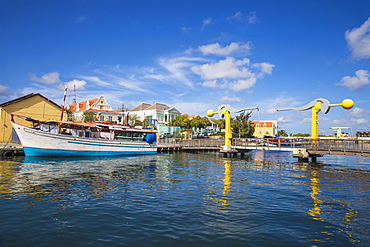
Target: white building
157	113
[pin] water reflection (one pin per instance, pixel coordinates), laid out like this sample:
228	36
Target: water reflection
331	209
58	177
252	200
315	212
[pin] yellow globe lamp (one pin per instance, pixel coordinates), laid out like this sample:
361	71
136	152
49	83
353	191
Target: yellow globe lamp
211	113
347	104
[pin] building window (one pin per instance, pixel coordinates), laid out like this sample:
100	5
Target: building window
101	118
110	118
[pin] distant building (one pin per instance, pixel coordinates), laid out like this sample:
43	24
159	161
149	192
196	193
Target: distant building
99	106
265	128
32	105
155	114
190	117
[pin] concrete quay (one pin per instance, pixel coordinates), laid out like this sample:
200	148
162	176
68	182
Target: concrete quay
11	150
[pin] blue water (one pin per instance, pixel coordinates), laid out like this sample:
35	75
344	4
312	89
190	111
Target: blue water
184	199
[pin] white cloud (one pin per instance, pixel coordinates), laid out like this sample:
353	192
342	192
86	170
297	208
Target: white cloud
186	29
306	121
358	40
361	121
232	73
206	22
266	68
96	80
212	83
194	107
3	90
252	17
133	85
71	85
49	78
231	99
216	49
270	111
237	16
228	68
241	84
177	70
358	112
285	119
357	122
357	82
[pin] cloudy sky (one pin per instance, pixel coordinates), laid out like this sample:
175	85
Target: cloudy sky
193	55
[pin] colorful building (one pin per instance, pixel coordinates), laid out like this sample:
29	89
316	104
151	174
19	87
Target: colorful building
157	113
265	128
32	105
103	111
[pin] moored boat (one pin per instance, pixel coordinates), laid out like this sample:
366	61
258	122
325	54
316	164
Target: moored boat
62	138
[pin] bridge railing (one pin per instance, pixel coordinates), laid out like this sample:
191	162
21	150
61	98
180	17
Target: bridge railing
193	143
319	145
257	142
340	145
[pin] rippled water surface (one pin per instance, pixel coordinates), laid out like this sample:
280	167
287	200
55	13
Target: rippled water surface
184	199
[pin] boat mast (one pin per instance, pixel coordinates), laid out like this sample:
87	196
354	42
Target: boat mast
64	101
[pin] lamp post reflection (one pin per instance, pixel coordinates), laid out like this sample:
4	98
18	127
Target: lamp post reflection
226	185
317	203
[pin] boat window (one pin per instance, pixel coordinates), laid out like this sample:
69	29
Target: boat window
123	135
137	136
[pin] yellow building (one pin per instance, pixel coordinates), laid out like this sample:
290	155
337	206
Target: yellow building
32	105
264	128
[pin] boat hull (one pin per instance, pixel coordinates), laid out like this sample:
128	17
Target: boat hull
41	143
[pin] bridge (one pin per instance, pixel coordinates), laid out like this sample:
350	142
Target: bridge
303	149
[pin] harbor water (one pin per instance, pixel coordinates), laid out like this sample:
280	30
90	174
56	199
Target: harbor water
185	199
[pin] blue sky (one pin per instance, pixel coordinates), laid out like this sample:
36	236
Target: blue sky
193	55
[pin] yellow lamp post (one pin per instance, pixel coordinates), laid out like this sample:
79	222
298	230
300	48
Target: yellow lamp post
224	111
318	105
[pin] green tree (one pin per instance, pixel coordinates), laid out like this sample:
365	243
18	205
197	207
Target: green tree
181	121
220	122
88	116
200	122
282	133
134	120
301	135
70	116
241	126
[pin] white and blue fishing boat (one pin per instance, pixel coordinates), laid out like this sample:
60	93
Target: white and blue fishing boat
40	137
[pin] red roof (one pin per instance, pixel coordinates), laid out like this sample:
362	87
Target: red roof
266	124
81	105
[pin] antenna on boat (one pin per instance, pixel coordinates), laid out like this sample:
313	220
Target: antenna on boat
64	101
74	95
